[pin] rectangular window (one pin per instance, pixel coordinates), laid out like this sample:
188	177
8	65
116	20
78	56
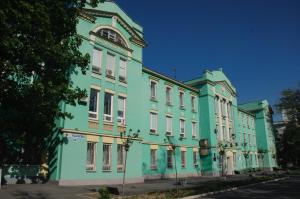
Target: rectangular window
91	156
106	157
170	159
153	122
195	162
121	157
121	110
110	66
181	100
153	87
194	129
229	110
169	125
97	60
223	102
93	106
183	160
108	107
250	140
168	95
123	70
182	127
193	101
224	132
153	159
217	111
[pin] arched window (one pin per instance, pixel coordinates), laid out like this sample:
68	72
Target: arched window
112	36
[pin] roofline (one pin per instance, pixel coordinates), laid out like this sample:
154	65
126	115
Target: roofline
91	11
162	76
245	111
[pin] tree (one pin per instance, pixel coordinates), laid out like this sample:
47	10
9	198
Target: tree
39	51
288	144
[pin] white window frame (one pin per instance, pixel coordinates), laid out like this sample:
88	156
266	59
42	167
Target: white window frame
183	159
111	108
193	103
169	130
170	157
153	160
194	129
121	78
182	126
181	99
97	103
168	98
153	97
122	120
98	66
195	158
120	167
153	126
107	167
91	167
112	73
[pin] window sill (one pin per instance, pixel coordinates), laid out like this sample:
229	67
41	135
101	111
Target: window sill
96	75
108	122
194	111
156	134
153	99
122	81
169	134
182	107
93	120
106	171
91	171
182	137
169	104
122	125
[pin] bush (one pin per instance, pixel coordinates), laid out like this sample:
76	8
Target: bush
103	193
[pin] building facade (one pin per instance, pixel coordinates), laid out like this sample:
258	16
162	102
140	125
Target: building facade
186	129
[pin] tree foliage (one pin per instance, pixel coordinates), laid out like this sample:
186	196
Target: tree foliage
39	50
288	144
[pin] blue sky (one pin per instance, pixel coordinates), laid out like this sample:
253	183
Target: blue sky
256	42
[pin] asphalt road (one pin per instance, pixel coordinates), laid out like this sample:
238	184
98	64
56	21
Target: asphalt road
288	188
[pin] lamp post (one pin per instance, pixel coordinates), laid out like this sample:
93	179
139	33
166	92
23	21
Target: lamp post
127	142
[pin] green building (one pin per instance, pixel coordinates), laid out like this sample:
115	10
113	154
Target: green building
187	129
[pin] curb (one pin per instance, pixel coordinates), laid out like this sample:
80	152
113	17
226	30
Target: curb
232	189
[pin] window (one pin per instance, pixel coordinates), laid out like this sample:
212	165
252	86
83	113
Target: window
193	101
223	108
121	110
181	101
250	140
194	129
110	66
106	157
123	70
229	110
170	159
93	106
195	159
169	125
217	111
91	156
182	127
224	132
96	62
230	132
168	95
153	159
108	107
153	86
112	36
183	161
153	122
121	157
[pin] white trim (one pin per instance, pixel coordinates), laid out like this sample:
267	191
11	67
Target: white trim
111	28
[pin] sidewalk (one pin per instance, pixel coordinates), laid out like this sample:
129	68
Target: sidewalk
48	190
